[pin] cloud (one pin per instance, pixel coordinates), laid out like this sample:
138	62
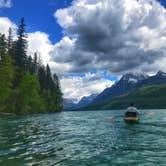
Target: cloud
5	3
39	42
5	24
118	36
108	35
77	87
72	86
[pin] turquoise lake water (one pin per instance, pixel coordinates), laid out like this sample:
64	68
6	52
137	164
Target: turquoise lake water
90	138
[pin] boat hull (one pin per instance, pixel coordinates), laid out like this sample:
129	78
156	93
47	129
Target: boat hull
131	119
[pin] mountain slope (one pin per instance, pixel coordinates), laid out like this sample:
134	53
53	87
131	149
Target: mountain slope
128	83
157	79
86	100
149	97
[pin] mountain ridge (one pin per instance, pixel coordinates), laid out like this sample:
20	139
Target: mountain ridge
148	97
127	83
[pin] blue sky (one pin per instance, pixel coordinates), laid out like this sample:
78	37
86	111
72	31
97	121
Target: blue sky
38	15
163	2
86	65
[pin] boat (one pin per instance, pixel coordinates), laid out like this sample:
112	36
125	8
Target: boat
131	115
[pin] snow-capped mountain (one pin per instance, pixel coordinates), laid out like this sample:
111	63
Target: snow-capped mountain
134	77
161	74
127	83
159	78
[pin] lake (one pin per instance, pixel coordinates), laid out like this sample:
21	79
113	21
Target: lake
89	138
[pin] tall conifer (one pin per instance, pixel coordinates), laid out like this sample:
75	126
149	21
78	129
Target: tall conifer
21	46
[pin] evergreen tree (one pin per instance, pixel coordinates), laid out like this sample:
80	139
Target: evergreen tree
29	65
49	83
35	63
10	39
3	46
10	44
26	85
58	93
21	46
30	99
6	79
56	81
42	77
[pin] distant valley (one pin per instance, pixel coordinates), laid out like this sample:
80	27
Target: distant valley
72	104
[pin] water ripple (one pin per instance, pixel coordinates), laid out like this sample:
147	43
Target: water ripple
84	139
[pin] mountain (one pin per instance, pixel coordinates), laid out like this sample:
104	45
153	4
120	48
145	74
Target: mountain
159	78
128	83
86	100
149	97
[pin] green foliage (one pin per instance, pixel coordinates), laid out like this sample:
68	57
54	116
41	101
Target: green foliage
50	89
29	97
6	78
3	46
26	85
20	46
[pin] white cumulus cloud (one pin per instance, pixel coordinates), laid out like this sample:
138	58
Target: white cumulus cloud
77	87
5	24
39	42
118	36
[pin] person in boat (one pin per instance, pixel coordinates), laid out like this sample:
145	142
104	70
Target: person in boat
131	113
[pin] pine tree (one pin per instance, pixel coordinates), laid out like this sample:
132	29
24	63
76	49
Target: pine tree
48	78
56	81
58	93
30	99
26	85
29	65
35	63
6	79
21	47
3	46
42	77
10	39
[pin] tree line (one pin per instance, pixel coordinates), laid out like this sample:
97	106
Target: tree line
26	85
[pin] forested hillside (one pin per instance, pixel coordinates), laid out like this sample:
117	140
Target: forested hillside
26	85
